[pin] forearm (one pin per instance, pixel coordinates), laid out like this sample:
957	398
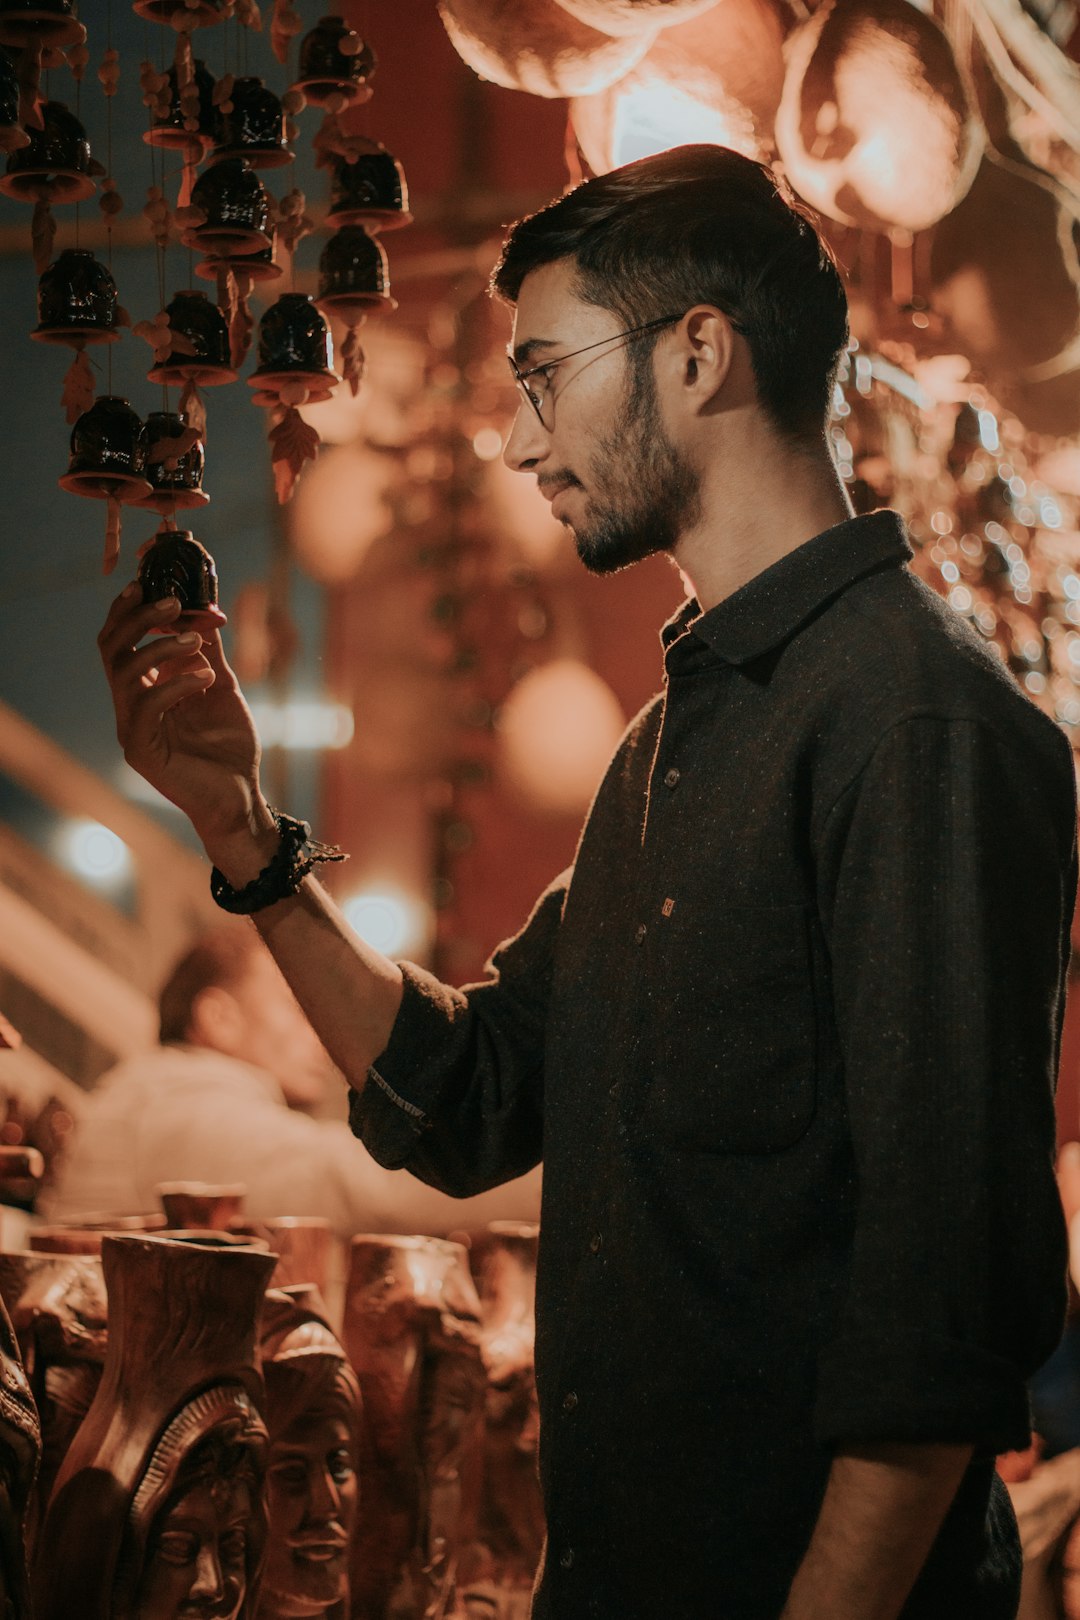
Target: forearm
883	1507
349	991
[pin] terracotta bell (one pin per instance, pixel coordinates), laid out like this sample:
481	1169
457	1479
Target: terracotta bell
176	564
294	347
259	266
55	162
354	275
175	480
12	134
335	63
24	22
370	191
171	131
194	13
204	326
237	210
108	453
76	301
255	129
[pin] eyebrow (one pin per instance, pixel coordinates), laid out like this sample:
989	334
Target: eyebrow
525	351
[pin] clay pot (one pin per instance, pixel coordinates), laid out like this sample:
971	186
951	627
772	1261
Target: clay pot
369	191
632	16
255	129
294	346
170	133
535	45
99	1221
23	22
175	481
12	134
176	564
335	64
202	323
861	76
76	301
237	210
55	161
353	275
198	1203
108	453
64	1240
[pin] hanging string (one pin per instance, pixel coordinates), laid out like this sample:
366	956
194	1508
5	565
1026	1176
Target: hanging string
109	165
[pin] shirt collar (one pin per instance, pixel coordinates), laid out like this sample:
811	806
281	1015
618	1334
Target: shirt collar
771	607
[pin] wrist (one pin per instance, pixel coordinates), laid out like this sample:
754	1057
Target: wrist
242	851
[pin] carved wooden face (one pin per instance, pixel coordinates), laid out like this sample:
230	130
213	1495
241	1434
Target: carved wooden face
197	1557
311	1499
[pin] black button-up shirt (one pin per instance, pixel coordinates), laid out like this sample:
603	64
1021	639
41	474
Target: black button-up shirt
785	1039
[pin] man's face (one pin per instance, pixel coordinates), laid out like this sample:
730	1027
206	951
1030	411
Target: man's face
311	1501
605	459
196	1563
276	1035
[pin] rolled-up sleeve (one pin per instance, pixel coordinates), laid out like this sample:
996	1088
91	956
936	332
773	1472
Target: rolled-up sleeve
947	877
457	1095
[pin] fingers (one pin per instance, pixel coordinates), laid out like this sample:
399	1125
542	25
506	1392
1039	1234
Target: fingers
142	733
130	621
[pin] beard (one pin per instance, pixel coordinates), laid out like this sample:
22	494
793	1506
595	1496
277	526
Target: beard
644	490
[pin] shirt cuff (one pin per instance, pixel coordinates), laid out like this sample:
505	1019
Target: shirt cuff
919	1388
404	1084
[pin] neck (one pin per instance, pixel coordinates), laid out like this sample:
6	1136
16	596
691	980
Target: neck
760	500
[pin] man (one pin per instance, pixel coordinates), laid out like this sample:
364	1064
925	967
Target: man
785	1036
225	1098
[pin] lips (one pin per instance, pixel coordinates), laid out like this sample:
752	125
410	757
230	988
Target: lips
320	1550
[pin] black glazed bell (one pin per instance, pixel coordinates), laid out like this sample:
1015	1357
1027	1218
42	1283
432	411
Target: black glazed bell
335	63
22	22
170	132
197	14
55	161
294	345
76	301
255	129
108	453
370	191
176	564
175	480
353	275
193	316
237	210
12	134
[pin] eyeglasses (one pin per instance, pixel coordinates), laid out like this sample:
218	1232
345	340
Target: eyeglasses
539	395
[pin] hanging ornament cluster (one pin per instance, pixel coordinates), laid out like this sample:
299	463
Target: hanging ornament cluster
213	141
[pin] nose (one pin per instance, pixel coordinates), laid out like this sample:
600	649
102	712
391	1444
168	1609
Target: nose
324	1502
208	1587
528	443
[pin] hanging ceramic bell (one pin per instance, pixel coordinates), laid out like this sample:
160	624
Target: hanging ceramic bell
236	208
193	13
254	129
175	459
176	564
369	191
55	163
108	453
202	356
294	349
354	276
76	301
335	65
12	134
172	132
24	22
259	266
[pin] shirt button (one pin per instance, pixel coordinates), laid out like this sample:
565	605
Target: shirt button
567	1558
639	934
596	1242
671	777
569	1401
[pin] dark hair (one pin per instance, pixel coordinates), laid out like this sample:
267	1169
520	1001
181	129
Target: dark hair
702	225
220	959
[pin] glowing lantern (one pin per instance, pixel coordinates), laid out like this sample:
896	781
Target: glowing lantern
535	45
875	128
341	507
631	16
558	729
715	79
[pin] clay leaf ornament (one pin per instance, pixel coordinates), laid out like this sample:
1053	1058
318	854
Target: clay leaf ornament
285	23
293	442
79	388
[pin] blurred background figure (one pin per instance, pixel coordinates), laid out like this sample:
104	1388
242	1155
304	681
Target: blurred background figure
241	1090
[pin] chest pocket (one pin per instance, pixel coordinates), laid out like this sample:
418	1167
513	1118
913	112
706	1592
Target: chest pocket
730	1029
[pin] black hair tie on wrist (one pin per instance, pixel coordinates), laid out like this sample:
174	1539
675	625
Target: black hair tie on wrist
293	859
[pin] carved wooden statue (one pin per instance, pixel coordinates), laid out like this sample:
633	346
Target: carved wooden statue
313	1418
497	1574
412	1331
20	1452
158	1511
56	1303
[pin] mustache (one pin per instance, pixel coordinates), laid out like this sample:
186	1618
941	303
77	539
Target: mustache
557	480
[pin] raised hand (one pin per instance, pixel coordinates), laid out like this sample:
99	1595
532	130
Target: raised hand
181	717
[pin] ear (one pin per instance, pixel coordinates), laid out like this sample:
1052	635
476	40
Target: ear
216	1020
703	356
